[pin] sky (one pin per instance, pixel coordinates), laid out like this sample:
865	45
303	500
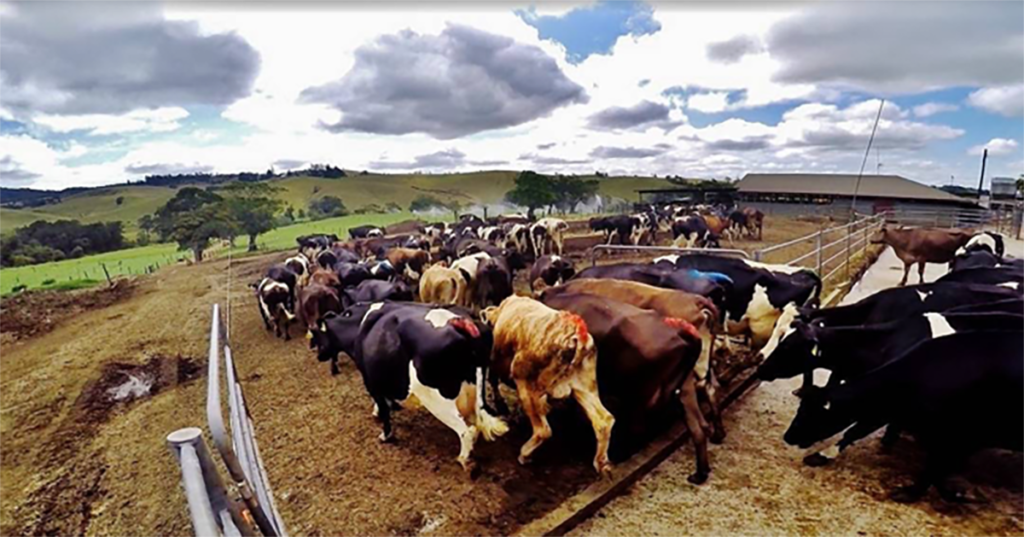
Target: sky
101	93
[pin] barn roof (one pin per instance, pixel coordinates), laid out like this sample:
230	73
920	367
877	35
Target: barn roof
871	186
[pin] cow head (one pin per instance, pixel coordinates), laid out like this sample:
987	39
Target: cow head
880	236
815	420
794	354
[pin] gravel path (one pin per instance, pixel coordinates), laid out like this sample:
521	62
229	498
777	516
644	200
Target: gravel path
759	486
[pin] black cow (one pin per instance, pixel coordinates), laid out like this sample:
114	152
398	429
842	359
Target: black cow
550	270
352	274
763	299
1006	276
328	258
376	291
616	228
440	355
365	232
899	302
955	394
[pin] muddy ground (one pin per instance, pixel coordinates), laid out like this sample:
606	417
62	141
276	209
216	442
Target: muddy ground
85	408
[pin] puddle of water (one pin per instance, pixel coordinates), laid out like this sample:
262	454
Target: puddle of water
134	387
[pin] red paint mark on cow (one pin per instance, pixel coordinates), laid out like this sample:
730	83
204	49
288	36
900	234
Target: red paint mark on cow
465	325
682	324
581	325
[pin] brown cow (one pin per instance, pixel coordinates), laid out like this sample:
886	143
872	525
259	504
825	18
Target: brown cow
315	300
326	277
921	245
695	309
408	262
442	285
645	359
548	353
755	221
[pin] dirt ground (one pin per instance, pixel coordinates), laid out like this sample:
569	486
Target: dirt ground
759	486
85	407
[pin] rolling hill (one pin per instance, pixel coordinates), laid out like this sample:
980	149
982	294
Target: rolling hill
487	187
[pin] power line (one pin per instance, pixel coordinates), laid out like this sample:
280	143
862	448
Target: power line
867	152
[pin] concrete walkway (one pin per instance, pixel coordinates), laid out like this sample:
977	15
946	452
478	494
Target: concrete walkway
887	272
759	486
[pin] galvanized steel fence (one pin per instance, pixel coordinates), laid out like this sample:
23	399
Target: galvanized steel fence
247	508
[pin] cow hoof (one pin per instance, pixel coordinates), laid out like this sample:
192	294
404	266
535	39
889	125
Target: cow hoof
816	460
717	436
907	494
698	478
603	468
386	438
471	468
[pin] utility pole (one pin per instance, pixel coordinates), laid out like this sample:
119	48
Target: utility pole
981	180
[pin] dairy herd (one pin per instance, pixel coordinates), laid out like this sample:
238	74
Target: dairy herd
698	226
431	312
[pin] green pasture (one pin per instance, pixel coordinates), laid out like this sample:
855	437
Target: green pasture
78	272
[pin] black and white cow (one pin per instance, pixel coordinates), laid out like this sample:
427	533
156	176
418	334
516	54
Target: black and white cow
310	245
328	258
644	230
436	232
548	236
300	265
955	394
275	296
440	355
365	232
492	234
550	270
693	232
617	229
763	299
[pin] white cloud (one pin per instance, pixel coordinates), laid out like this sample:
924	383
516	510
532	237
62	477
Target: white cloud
997	147
157	120
26	161
1003	100
930	109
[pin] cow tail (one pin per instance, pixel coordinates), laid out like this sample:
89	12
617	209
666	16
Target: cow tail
488	425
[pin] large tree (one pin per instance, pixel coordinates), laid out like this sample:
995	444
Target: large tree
193	217
570	191
252	207
533	191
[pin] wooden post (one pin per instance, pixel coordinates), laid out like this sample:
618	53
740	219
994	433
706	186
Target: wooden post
107	274
817	245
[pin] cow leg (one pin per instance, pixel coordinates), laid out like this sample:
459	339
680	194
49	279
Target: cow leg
600	419
535	408
500	406
710	389
382	411
920	272
334	366
263	314
891	436
694	424
447	410
906	272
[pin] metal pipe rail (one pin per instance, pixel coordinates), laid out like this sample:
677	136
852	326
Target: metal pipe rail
212	512
724	252
246	470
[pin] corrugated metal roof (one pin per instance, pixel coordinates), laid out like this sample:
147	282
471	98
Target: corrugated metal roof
871	186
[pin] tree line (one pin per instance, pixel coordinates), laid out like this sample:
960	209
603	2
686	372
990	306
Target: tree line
42	242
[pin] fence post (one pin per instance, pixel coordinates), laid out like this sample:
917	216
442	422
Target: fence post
817	245
849	244
183	444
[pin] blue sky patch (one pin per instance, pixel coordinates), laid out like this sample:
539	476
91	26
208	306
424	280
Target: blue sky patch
593	29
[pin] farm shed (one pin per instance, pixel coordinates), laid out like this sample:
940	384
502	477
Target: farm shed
831	194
